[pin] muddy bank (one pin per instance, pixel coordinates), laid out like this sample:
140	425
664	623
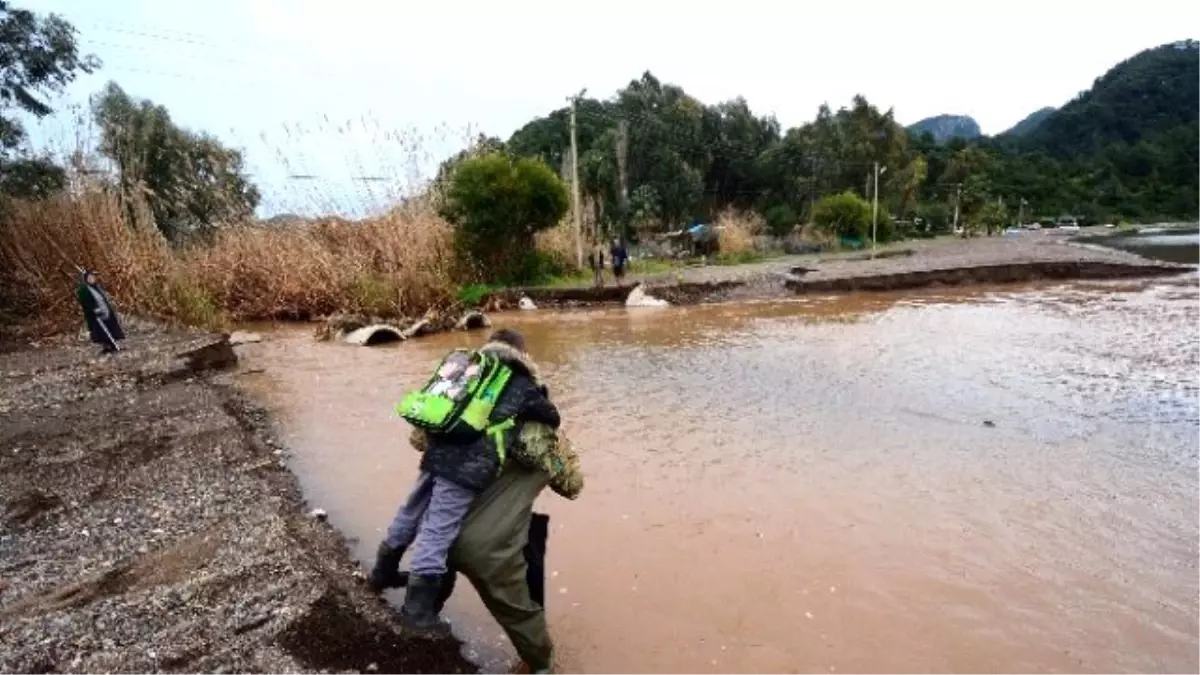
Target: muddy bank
1029	256
980	274
1025	257
149	524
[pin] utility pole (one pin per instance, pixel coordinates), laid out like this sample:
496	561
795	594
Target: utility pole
875	206
575	185
1021	212
957	199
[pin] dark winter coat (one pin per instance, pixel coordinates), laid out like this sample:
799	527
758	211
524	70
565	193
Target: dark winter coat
475	464
98	312
620	256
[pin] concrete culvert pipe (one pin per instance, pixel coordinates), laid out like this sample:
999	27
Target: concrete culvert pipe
378	334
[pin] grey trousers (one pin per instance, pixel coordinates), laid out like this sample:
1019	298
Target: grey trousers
432	517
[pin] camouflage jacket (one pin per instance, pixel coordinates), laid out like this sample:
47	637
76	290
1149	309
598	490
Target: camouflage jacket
540	448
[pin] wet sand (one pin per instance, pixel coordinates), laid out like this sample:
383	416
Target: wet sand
993	480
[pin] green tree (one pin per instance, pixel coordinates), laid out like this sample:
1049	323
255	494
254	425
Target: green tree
497	204
993	217
936	217
845	215
190	181
38	57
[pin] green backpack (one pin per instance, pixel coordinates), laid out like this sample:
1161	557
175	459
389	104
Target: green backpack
458	399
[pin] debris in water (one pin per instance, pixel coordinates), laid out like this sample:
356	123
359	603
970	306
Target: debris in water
372	667
318	514
638	298
525	303
833	589
554	574
808	615
241	337
989	424
562	590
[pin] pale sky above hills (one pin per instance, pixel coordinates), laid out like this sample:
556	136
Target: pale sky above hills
246	70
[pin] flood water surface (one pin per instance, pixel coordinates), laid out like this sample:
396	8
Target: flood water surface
1002	480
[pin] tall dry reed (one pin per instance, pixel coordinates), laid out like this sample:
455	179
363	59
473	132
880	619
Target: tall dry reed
42	243
400	263
737	230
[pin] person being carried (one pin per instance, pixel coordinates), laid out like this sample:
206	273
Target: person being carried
476	408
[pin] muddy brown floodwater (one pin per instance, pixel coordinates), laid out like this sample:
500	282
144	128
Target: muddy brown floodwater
980	481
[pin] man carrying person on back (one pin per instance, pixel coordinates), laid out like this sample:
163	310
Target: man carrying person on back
498	521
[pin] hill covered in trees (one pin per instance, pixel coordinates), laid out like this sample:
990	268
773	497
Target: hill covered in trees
946	127
1126	147
654	157
1031	122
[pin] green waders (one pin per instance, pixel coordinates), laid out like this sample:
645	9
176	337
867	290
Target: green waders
488	551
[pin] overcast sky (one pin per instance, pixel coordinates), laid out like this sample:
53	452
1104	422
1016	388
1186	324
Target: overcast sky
342	89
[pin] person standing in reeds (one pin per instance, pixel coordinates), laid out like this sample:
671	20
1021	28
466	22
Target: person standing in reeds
98	311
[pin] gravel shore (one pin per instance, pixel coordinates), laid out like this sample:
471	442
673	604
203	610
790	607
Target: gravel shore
150	525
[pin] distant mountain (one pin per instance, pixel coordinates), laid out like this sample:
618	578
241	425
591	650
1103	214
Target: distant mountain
1143	99
1030	123
946	127
281	219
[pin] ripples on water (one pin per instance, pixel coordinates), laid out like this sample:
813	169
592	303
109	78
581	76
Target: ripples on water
812	485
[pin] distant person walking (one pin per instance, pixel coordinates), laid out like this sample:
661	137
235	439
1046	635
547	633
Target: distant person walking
99	313
596	262
620	258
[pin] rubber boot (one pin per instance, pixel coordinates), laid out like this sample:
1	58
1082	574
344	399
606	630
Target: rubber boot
419	613
386	573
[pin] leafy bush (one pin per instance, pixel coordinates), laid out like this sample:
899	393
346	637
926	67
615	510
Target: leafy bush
781	220
473	294
846	215
497	204
937	217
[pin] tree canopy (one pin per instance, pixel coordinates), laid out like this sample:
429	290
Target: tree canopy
190	181
38	57
497	204
654	157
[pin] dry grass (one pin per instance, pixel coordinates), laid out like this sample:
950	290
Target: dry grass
737	231
559	243
41	243
400	263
